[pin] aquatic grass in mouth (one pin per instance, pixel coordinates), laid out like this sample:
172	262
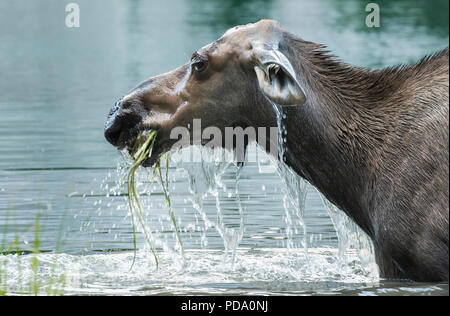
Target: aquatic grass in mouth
141	151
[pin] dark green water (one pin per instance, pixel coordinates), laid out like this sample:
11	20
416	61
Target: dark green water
58	84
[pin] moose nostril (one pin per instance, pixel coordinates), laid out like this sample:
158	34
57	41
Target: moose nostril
120	124
122	120
113	132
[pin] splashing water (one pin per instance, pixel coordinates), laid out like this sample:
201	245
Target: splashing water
218	197
350	236
295	188
211	179
206	178
256	272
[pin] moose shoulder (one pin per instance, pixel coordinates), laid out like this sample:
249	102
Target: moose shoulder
375	143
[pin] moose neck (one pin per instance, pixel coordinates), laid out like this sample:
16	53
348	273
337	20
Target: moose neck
332	140
333	165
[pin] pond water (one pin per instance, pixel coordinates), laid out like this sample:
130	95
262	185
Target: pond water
242	232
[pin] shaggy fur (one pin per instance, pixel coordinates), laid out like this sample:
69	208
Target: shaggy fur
375	143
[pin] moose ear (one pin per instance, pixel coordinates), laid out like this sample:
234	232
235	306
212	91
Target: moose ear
277	78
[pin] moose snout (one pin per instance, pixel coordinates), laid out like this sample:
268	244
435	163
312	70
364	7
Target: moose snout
120	123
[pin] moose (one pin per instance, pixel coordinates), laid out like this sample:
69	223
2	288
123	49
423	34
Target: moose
374	142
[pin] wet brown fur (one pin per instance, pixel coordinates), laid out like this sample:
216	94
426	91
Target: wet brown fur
375	143
385	140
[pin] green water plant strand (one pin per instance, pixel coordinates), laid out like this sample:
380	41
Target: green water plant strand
34	287
140	155
143	150
168	201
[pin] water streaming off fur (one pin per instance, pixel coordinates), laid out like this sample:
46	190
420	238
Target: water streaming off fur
238	260
224	253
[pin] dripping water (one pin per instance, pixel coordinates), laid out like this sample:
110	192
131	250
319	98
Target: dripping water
349	235
216	176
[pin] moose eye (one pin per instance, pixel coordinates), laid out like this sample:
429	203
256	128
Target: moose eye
199	66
